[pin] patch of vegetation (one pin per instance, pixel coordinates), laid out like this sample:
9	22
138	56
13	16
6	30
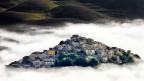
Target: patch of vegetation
11	17
35	6
78	12
2	9
32	16
71	10
126	58
93	62
118	53
29	16
76	60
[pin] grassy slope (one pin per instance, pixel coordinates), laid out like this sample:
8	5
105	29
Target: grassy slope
2	9
26	10
77	11
130	9
27	16
40	6
116	8
68	10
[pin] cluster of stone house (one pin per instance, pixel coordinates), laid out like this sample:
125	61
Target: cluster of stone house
87	46
41	59
75	45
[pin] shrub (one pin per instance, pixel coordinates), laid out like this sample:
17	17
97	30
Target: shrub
65	62
61	56
118	53
81	62
93	62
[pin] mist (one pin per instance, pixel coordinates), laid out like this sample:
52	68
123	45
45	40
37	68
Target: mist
128	35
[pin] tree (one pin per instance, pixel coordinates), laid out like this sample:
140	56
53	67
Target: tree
122	58
129	59
118	53
56	63
73	56
65	62
93	62
80	62
126	58
62	56
61	43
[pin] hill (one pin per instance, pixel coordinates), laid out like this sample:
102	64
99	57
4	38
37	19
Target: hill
76	51
32	11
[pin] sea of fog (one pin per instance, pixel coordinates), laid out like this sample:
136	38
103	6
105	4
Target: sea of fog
129	36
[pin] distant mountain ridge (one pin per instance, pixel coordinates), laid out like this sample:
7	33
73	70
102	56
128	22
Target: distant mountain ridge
33	11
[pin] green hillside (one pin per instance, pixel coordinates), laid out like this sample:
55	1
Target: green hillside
23	11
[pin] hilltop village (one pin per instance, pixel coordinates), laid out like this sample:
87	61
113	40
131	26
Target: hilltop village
76	51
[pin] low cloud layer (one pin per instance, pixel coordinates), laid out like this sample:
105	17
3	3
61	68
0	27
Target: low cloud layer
129	36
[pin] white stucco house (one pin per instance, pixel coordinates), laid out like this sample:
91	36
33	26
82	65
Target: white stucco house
89	51
49	62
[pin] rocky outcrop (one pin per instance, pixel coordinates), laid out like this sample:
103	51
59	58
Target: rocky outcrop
76	51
